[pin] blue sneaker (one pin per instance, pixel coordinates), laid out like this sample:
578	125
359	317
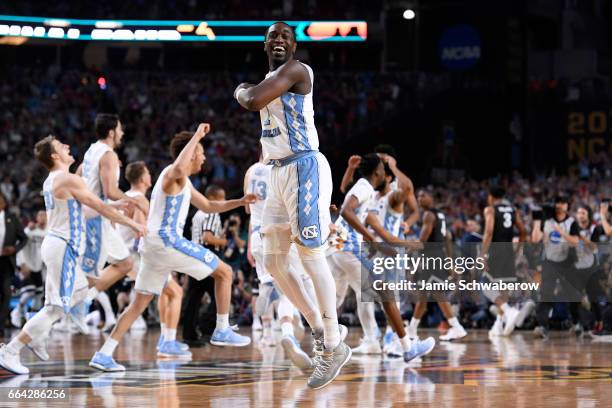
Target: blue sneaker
419	348
229	337
172	349
182	345
105	363
294	352
388	340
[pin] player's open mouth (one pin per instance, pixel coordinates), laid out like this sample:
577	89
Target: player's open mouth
278	50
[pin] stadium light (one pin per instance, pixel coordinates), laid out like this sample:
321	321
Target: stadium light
409	14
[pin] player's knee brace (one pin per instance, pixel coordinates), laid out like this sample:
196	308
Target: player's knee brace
276	240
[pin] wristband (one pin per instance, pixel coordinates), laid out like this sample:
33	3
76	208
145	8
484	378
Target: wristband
238	93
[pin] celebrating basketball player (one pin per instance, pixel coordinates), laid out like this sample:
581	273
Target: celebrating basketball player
65	284
297	206
100	170
164	249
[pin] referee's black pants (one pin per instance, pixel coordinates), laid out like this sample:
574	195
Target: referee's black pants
193	303
572	284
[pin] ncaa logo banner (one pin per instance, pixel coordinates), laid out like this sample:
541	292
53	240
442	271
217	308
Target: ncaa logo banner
459	47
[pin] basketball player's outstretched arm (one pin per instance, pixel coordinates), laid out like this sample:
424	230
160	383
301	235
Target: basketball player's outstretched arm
348	213
290	75
372	221
405	192
199	201
181	168
75	187
109	166
349	173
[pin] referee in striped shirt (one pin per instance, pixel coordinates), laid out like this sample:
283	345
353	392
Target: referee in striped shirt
206	230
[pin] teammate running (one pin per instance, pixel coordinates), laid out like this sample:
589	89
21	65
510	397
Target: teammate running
164	249
65	284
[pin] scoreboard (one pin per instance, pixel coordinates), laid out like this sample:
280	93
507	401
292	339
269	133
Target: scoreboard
589	132
26	27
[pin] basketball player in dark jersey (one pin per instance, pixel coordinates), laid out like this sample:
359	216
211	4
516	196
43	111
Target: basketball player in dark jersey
433	235
501	218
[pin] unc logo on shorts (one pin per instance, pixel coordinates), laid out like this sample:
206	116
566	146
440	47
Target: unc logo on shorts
310	232
88	263
208	257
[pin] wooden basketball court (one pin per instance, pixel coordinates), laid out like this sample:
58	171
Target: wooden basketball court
519	371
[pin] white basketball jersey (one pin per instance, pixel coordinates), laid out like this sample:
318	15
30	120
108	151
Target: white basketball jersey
364	192
167	213
91	167
127	234
388	218
259	179
287	124
64	217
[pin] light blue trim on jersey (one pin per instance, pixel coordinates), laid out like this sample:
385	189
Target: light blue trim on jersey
67	277
293	106
390	222
170	237
352	241
309	226
75	215
204	255
93	244
167	230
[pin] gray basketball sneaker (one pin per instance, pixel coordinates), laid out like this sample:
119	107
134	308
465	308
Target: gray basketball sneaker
327	363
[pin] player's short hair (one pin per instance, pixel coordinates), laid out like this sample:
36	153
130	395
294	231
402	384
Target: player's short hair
280	22
104	123
134	171
497	192
178	143
212	190
426	190
43	149
368	164
386	149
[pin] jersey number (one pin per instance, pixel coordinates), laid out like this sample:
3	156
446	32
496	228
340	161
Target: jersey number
507	220
442	219
49	203
259	188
